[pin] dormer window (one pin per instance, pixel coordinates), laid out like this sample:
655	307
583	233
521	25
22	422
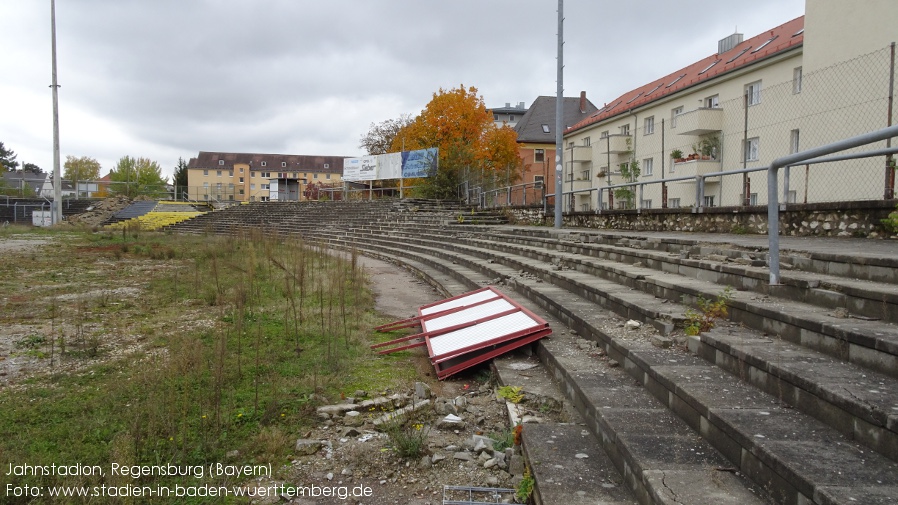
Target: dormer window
264	163
545	128
221	162
283	163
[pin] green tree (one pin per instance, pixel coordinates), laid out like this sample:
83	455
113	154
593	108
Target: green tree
7	159
470	145
31	167
179	178
80	169
138	176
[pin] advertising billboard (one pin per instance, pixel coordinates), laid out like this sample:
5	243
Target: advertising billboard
407	164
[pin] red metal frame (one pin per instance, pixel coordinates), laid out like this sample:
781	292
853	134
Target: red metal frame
448	363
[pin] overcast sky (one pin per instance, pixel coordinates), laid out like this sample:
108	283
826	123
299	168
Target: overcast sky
166	79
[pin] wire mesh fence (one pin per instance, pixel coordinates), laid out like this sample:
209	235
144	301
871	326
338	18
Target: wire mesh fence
674	154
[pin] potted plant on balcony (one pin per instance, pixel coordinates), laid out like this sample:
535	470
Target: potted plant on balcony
677	156
709	147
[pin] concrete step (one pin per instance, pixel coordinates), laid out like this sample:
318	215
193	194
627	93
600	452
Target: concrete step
730	425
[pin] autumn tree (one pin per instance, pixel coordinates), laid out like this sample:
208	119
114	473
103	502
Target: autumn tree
137	176
379	138
471	146
81	169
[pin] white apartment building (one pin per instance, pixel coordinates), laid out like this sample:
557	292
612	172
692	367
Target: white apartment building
814	80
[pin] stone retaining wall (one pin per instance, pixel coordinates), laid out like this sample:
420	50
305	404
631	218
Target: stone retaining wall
834	219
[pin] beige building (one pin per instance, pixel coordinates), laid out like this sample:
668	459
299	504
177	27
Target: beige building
246	177
814	80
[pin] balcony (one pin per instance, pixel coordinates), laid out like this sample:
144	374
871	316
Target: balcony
579	185
614	144
700	121
699	166
581	154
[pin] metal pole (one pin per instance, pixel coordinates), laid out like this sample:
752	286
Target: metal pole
890	169
559	118
57	178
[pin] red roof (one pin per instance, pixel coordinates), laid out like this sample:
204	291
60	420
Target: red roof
759	47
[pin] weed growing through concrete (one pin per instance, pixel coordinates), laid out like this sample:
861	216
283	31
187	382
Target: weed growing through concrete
709	311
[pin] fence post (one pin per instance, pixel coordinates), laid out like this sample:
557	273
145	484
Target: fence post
699	193
599	201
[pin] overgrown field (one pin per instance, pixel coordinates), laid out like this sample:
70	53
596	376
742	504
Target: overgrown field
132	348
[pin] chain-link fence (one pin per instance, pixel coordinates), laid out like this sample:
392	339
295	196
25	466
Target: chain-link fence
718	153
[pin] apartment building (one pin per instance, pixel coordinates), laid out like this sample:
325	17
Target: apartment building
811	81
249	177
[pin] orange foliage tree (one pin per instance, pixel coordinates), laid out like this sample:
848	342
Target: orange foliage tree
471	147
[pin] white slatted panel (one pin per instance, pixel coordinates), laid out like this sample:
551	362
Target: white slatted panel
468	314
478	334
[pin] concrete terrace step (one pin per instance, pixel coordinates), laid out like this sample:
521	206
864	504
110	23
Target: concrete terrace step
704	476
869	418
871	343
778	467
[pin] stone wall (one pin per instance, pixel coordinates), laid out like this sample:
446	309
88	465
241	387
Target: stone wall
834	219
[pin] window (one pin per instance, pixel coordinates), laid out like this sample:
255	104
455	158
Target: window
538	180
585	175
539	155
793	141
625	129
645	204
328	176
252	175
712	102
511	118
673	203
327	165
230	173
315	176
709	201
586	141
241	191
266	186
205	172
796	80
753	199
241	180
648	166
218	173
584	207
241	170
495	117
252	186
264	163
218	186
283	164
221	162
673	115
751	149
205	185
604	134
570	145
753	91
545	128
648	125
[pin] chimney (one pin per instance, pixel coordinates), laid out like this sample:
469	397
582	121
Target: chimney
582	102
521	105
728	43
507	105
